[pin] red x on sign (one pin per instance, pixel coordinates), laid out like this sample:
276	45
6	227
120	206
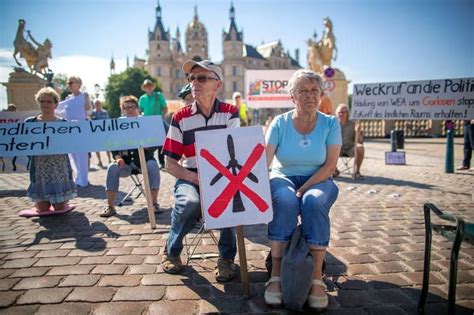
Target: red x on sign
236	182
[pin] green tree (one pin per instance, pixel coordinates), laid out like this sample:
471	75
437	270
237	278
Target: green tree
60	83
126	83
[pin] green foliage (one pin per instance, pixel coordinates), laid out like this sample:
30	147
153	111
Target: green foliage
60	83
126	83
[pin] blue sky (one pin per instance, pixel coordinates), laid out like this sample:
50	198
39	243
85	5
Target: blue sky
377	40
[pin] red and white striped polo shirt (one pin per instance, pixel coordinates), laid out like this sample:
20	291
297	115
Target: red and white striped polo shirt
186	121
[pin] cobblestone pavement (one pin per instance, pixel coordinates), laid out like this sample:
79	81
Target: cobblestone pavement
80	263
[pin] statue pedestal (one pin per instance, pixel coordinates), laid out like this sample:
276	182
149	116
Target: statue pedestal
21	89
336	88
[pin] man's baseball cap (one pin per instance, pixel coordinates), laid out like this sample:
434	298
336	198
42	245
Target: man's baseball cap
205	64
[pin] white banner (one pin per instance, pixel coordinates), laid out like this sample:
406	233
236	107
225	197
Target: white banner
450	99
43	138
267	88
16	117
233	177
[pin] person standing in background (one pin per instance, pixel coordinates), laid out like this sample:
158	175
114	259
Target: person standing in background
242	107
468	145
186	94
154	103
75	108
97	114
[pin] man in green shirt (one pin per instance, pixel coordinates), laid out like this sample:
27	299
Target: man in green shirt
154	103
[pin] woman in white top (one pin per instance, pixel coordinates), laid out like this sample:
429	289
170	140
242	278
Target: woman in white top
75	108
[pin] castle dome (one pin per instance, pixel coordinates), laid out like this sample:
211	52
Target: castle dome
196	28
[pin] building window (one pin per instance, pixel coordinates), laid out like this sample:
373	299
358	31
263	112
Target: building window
158	47
234	71
158	71
234	86
176	74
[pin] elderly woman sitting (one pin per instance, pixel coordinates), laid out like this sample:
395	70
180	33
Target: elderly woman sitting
306	144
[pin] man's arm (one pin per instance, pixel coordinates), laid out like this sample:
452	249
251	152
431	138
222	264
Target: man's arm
175	169
164	107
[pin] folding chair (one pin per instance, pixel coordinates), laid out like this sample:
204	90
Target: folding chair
196	240
344	164
138	185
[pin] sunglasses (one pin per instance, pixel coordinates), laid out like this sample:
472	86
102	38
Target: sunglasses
129	107
71	83
200	78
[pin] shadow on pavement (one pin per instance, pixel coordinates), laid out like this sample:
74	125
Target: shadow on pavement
12	193
377	180
88	236
140	216
379	297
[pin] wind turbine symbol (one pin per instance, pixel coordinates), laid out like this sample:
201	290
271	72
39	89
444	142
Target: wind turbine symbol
234	166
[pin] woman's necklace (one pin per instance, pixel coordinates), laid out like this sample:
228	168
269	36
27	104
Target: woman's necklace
305	128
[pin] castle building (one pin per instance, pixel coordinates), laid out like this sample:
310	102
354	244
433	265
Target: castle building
165	55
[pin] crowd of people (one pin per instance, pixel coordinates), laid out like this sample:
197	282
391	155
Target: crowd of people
302	149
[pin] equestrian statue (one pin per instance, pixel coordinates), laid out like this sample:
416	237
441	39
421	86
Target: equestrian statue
36	58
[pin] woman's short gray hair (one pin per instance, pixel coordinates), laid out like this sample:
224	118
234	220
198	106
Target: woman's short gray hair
307	74
49	92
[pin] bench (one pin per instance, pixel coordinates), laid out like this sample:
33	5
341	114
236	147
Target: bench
457	233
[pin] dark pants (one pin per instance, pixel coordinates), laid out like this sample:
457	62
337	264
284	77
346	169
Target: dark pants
161	156
468	143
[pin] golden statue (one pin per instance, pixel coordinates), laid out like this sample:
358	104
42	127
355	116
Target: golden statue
36	58
320	53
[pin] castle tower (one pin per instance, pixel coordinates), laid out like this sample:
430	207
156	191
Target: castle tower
178	79
112	65
196	39
159	53
233	64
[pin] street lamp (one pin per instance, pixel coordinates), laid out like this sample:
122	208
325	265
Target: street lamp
97	91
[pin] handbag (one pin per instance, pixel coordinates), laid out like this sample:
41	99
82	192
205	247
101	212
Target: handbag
297	267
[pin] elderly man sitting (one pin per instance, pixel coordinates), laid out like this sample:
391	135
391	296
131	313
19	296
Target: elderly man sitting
128	161
205	113
349	129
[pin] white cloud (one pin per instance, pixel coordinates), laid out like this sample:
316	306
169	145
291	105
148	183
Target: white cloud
91	69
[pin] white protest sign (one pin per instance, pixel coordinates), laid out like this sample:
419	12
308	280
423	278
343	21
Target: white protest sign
450	99
233	177
268	88
43	138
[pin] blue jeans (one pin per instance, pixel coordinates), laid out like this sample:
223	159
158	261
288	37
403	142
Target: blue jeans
314	208
186	213
114	172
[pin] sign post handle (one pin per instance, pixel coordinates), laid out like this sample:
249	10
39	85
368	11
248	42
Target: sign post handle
243	260
146	180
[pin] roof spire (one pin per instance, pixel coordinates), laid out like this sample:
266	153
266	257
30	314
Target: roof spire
232	10
158	10
196	13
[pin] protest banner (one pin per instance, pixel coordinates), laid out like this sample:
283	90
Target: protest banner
234	183
44	138
15	164
267	88
449	99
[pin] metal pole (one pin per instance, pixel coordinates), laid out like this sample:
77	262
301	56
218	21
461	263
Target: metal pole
393	140
449	162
